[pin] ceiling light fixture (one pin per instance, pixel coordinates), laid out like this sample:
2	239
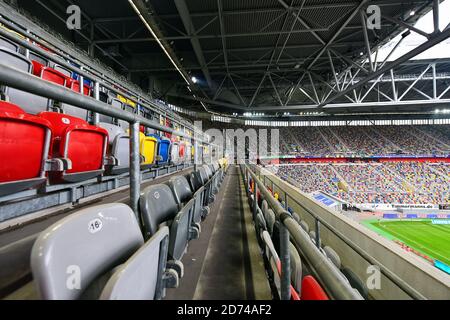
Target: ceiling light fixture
136	9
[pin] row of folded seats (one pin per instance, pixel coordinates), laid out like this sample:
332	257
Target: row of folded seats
304	286
105	252
42	138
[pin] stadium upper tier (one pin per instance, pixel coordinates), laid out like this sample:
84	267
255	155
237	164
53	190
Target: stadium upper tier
365	141
362	183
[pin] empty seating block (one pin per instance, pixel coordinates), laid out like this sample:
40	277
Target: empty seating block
82	144
75	257
24	147
29	102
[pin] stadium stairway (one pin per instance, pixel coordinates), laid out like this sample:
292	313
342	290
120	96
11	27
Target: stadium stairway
16	244
225	263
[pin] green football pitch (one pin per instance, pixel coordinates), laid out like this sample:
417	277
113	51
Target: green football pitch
421	235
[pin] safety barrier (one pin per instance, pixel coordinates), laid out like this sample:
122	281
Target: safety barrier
286	201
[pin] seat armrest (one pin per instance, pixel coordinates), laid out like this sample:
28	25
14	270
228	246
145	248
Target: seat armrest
58	164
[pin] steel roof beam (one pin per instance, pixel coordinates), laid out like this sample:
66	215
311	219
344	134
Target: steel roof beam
436	39
189	26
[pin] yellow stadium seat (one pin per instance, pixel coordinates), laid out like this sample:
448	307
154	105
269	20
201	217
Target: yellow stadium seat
148	149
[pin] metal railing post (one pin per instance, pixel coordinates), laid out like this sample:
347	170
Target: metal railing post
285	257
135	170
95	116
255	200
317	226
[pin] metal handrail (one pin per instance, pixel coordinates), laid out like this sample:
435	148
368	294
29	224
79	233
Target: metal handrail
23	81
335	284
404	286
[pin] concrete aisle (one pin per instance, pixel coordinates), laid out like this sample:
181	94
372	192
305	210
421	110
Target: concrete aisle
226	262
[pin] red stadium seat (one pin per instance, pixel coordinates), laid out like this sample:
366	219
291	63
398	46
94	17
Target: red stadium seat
75	86
83	144
37	68
24	147
54	76
182	151
311	290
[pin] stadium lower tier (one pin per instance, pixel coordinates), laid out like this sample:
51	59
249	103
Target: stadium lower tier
368	183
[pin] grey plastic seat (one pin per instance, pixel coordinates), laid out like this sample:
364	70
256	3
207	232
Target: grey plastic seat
30	103
199	195
264	206
75	111
175	153
305	226
119	148
270	220
209	196
63	70
5	43
260	222
296	268
141	277
89	243
158	208
333	256
296	217
183	194
356	282
275	263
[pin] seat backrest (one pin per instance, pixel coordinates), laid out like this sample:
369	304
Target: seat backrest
164	148
175	152
356	282
304	225
83	246
312	290
157	205
24	144
270	220
333	256
54	76
28	102
63	70
113	130
296	268
208	170
203	175
5	43
181	189
14	60
260	221
149	146
74	138
140	278
195	180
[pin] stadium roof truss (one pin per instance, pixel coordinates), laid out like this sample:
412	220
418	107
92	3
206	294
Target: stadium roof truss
272	56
